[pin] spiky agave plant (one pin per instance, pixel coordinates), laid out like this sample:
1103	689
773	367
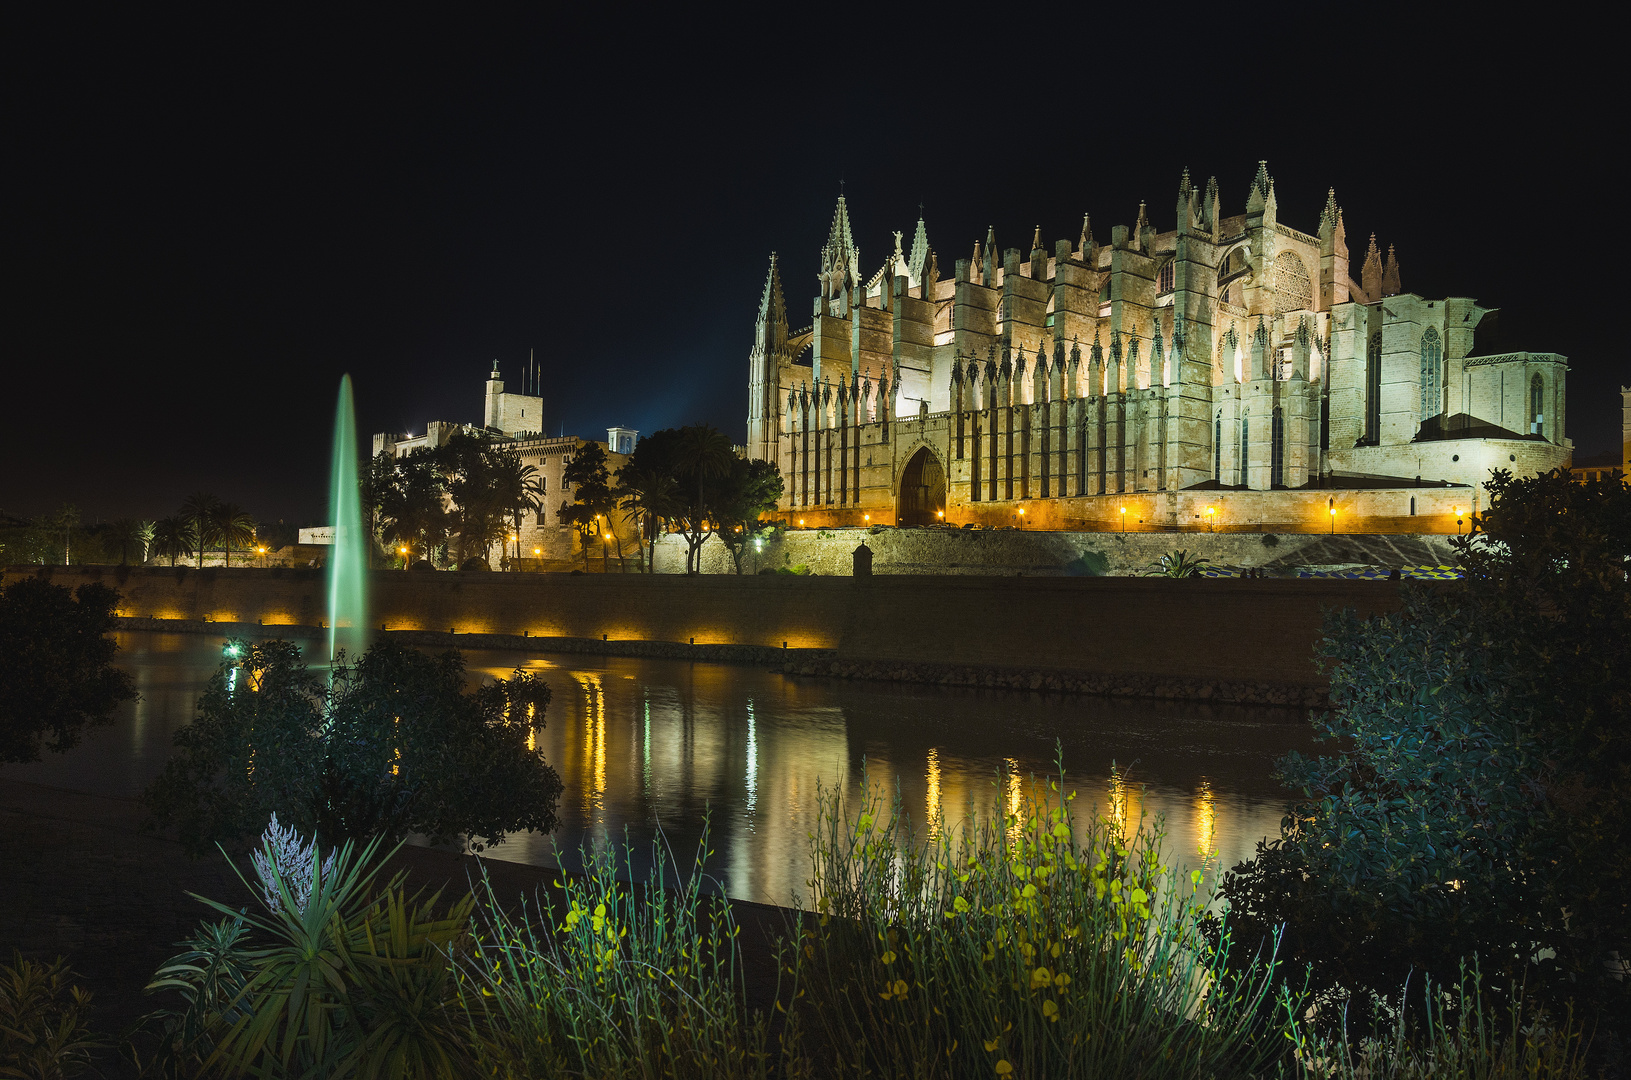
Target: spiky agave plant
1176	564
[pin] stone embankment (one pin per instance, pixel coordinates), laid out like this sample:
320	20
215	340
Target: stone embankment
1222	640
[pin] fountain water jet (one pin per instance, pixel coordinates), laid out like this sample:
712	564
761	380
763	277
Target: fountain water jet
348	562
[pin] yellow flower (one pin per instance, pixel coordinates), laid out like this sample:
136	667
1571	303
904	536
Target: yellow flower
1041	978
1003	1068
888	957
990	1045
1050	1010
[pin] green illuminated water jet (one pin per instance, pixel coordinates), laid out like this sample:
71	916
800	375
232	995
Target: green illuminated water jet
348	562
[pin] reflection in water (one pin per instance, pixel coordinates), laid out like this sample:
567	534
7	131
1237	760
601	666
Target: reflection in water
643	743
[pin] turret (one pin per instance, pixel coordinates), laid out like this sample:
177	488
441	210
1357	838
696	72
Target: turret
1390	275
1370	275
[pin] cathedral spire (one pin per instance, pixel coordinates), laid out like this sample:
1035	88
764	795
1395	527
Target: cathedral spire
840	255
772	307
990	269
1140	226
918	260
1370	275
1390	275
1258	198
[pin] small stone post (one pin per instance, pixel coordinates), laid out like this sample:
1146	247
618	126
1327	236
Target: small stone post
863	561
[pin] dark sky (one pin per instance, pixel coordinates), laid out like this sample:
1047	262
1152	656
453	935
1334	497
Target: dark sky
209	217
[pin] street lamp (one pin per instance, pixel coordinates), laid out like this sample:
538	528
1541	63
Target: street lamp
1022	517
1457	510
1210	510
1333	521
1123	519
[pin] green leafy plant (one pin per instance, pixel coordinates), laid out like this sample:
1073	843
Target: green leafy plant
208	975
43	1029
615	981
56	666
332	979
385	747
1176	564
1028	942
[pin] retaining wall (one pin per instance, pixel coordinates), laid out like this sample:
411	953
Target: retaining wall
1146	632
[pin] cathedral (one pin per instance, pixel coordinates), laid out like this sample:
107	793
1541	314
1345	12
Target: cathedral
1229	372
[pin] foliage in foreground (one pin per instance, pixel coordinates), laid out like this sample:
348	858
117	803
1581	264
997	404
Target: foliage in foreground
616	981
43	1029
1479	800
333	979
1176	564
56	666
388	746
1030	942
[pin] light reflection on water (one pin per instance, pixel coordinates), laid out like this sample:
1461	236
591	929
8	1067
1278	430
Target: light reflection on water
646	742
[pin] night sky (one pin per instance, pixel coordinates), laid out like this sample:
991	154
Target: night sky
208	220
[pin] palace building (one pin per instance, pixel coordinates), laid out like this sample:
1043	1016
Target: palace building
1228	372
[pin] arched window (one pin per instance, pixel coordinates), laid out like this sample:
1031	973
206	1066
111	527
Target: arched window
1373	391
1537	406
1432	375
1277	449
1245	446
1217	448
1164	279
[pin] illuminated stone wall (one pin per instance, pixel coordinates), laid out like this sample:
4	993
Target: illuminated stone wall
1240	631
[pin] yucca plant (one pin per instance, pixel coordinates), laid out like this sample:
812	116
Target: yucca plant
613	981
1027	943
43	1030
208	975
336	979
1176	564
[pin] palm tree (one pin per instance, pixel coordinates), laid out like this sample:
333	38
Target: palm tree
704	450
199	513
648	498
128	533
231	525
413	502
172	536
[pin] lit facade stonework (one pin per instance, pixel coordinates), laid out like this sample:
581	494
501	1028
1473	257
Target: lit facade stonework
1229	368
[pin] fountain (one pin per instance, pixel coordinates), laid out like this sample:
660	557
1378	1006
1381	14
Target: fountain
348	562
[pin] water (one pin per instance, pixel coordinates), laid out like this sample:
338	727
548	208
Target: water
647	742
347	602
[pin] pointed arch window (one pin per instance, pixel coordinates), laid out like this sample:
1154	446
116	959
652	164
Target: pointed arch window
1373	391
1277	449
1537	406
1245	446
1217	448
1432	375
1166	276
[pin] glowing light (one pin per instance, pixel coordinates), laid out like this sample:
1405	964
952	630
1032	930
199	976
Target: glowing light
801	523
933	814
1206	823
537	551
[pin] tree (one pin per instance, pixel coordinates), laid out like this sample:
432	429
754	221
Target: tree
62	523
703	453
1480	798
749	489
231	526
173	536
198	511
391	746
647	498
592	499
129	535
472	473
413	502
56	666
518	490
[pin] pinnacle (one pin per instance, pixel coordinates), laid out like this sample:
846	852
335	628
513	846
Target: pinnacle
1036	238
1183	185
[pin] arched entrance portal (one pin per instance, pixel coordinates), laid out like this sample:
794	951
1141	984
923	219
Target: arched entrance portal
922	490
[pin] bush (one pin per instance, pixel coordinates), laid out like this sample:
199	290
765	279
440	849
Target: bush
630	981
56	666
1033	943
333	980
43	1030
1480	799
389	746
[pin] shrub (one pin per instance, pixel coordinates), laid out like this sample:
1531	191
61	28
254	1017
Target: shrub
333	980
1031	943
56	666
626	982
1176	564
43	1031
389	746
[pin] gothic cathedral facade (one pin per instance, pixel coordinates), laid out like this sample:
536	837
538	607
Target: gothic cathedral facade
1229	372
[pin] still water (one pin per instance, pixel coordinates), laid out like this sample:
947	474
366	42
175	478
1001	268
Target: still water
648	743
